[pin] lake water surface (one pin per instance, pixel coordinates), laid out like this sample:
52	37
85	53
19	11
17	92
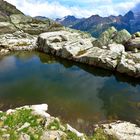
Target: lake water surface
78	94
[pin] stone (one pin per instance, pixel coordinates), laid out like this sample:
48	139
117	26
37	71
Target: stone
7	27
101	58
118	48
105	38
137	34
122	130
53	135
41	110
26	125
121	37
74	131
133	44
63	43
17	41
24	136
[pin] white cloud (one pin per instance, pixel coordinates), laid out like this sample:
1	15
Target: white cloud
55	9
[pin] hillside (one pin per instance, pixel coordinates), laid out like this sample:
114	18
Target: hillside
11	20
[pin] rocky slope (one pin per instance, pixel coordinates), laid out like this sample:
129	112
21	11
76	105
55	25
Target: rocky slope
97	24
34	123
106	52
11	20
18	31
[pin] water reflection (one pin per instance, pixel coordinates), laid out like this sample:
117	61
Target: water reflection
79	94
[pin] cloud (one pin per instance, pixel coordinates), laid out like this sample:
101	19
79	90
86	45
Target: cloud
78	8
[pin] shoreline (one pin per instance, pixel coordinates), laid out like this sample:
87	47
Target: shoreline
44	126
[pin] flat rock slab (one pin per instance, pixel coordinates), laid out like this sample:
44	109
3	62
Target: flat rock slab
122	130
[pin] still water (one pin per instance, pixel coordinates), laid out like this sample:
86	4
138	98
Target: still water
78	94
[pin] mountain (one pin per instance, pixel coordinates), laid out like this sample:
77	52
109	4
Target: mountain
11	20
69	21
97	24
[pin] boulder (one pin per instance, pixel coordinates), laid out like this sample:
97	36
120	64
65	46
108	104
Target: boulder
129	64
64	43
133	44
105	38
121	37
17	41
101	58
137	34
118	48
122	130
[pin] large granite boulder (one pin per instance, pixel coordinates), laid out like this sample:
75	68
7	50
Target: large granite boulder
64	43
100	57
129	64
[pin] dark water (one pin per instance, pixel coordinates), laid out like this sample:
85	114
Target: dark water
78	94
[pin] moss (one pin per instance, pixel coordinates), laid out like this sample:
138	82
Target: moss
17	119
81	52
55	125
22	44
72	136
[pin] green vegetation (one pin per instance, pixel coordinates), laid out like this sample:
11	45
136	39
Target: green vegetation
55	125
23	122
14	124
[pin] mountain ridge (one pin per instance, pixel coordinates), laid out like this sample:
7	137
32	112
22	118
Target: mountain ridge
96	24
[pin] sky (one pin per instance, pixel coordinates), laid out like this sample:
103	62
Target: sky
79	8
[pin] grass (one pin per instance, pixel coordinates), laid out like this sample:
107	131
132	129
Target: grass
16	120
55	125
10	124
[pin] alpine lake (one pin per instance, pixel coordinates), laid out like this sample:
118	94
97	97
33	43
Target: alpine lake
78	94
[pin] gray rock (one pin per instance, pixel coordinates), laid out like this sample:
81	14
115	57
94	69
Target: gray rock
101	58
64	43
121	37
17	41
7	27
118	48
53	135
80	48
105	38
122	130
133	44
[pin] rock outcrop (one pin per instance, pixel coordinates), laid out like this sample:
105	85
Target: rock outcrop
133	44
33	122
122	130
18	41
11	20
76	46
